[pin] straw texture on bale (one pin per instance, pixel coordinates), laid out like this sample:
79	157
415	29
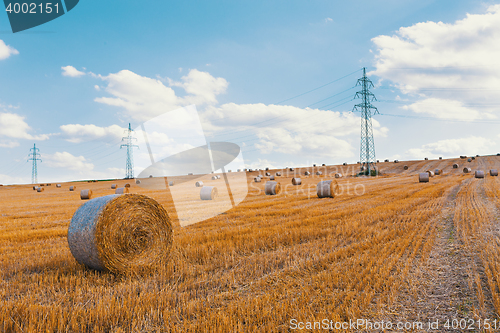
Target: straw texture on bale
493	172
396	161
208	193
438	171
40	189
319	173
469	160
455	166
272	188
431	173
278	174
462	156
292	169
344	163
405	167
323	164
122	190
473	158
423	177
467	170
86	194
327	189
338	175
479	174
113	187
257	179
199	184
271	177
307	173
58	185
72	188
127	185
121	234
296	181
386	160
170	183
268	174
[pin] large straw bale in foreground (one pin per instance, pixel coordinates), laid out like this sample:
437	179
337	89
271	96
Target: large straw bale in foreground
120	233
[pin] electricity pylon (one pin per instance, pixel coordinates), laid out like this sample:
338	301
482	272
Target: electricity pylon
367	151
34	156
130	157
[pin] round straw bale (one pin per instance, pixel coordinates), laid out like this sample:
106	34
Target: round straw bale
396	161
431	173
121	234
272	188
113	186
319	173
327	189
292	169
34	188
86	194
214	177
150	176
137	181
338	175
58	185
344	163
467	170
199	184
314	165
296	181
426	159
473	158
493	172
122	190
72	188
271	177
127	185
268	174
438	171
323	164
170	183
278	174
469	160
208	193
479	174
405	167
307	173
423	177
440	157
40	189
49	185
462	156
455	166
257	179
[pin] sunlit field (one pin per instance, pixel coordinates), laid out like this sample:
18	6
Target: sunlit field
386	248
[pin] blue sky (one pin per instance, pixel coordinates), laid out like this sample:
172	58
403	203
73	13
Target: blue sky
236	60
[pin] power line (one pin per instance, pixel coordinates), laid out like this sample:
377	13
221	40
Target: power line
310	91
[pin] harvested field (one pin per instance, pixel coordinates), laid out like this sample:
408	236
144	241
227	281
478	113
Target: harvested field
386	248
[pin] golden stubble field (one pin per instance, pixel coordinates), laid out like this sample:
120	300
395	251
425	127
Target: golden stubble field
387	248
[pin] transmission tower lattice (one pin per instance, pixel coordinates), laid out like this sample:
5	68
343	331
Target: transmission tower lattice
34	156
367	152
130	157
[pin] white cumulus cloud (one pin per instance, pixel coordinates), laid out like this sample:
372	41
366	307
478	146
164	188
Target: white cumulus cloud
471	145
71	71
452	62
65	160
13	126
77	133
6	50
